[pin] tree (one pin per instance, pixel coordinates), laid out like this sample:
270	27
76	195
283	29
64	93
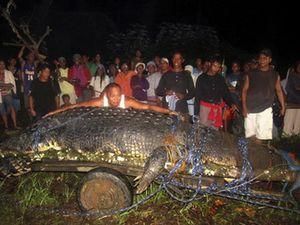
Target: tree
125	44
191	39
22	31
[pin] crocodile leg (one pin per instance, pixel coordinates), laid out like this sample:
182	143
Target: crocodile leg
153	167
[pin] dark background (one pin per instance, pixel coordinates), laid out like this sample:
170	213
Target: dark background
82	26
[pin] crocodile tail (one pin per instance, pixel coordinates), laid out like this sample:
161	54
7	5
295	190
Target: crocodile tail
14	166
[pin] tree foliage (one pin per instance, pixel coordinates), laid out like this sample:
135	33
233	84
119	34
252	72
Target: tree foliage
193	40
125	44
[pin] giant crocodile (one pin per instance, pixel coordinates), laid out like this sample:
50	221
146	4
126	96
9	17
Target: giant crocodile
145	139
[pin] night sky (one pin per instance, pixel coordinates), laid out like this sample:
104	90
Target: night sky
246	25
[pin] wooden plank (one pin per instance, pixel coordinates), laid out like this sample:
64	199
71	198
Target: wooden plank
75	166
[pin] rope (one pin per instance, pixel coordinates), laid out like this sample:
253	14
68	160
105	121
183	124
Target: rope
239	189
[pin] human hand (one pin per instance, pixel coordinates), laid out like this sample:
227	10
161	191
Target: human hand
173	113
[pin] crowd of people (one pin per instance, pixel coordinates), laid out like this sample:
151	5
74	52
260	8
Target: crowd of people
205	89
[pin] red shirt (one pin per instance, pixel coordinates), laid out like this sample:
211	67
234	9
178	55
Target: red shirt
82	75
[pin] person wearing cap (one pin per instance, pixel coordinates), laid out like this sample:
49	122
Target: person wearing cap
176	86
153	78
80	76
258	95
66	86
164	66
190	70
123	79
139	84
113	97
99	81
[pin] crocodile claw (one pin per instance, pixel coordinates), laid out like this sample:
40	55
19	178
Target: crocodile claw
138	178
142	185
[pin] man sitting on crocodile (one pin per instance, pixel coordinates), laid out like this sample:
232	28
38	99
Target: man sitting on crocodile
112	97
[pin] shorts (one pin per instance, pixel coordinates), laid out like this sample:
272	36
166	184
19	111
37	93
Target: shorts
292	122
259	125
7	102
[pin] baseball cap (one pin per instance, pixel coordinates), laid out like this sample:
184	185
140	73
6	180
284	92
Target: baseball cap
165	60
189	68
151	63
139	64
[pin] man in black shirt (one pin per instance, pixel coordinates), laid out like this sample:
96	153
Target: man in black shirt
176	86
43	97
258	95
210	93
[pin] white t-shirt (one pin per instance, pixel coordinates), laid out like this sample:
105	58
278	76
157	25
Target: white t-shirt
153	80
9	79
194	76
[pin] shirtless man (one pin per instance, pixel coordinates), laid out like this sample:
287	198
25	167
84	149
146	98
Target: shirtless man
113	97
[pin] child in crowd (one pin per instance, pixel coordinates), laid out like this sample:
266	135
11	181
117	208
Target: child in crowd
66	101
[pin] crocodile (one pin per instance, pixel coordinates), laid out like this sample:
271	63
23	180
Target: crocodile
146	139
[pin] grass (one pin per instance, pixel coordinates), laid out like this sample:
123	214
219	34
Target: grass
35	190
30	198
